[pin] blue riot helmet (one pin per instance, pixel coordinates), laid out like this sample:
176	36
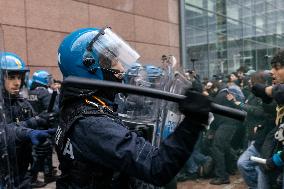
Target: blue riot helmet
132	72
30	83
154	75
11	64
42	78
95	53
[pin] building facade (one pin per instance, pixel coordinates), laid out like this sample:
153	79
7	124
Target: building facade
219	36
33	29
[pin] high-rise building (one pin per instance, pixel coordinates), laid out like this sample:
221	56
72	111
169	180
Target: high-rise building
219	36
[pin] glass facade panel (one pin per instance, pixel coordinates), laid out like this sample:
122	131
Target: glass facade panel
222	35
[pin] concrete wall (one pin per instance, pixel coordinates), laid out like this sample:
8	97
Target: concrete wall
33	29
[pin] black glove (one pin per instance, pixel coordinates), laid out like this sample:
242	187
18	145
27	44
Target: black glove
259	91
195	106
46	118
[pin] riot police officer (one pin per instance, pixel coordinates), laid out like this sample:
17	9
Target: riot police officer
18	110
38	95
94	147
39	98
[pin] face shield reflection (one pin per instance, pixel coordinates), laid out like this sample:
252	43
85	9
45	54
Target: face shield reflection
115	53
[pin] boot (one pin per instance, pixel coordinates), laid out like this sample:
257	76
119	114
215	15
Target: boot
219	181
36	183
50	178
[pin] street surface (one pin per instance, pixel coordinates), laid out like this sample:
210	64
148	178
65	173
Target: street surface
236	182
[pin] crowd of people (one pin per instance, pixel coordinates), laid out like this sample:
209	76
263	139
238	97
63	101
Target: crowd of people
228	145
96	149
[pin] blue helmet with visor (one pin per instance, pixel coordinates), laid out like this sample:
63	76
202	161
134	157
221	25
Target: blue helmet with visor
95	53
11	63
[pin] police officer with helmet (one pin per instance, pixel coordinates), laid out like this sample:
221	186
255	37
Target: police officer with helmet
94	147
18	111
39	98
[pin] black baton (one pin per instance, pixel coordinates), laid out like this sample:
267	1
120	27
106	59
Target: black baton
92	84
52	101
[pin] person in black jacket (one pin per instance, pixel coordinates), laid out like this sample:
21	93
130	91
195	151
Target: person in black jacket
225	130
18	110
257	129
39	98
274	142
94	147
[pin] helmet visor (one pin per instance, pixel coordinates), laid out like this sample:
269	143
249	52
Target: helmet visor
115	49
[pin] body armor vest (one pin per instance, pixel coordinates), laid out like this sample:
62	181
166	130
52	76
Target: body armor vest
83	174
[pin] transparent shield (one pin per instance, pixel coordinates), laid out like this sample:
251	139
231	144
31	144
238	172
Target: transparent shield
169	115
8	169
140	113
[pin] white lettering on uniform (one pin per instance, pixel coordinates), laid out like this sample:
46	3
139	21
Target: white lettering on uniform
68	149
57	135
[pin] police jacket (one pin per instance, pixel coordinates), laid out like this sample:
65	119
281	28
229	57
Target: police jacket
18	112
39	99
96	150
13	133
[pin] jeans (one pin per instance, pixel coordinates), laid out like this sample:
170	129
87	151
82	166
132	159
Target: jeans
195	161
250	171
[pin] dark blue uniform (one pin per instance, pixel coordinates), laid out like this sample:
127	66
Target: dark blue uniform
16	111
42	154
13	134
97	151
39	98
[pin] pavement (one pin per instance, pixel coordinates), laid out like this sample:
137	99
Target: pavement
236	182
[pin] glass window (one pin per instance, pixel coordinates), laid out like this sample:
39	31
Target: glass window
222	35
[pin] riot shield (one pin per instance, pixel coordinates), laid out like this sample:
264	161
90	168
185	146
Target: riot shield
169	116
7	144
140	113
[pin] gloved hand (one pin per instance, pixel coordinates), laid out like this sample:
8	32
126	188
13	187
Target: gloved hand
39	136
46	118
195	106
259	91
275	161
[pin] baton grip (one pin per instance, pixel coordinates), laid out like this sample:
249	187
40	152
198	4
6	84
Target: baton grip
52	101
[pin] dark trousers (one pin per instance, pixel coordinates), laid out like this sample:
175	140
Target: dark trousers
42	162
221	149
